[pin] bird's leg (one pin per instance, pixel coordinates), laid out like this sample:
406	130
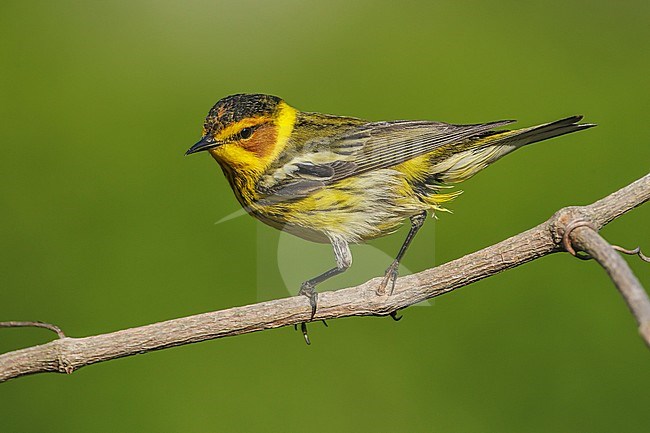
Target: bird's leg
343	258
391	273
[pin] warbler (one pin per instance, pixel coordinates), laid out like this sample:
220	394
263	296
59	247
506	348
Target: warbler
342	180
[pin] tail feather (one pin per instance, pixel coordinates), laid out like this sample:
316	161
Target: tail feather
534	134
496	144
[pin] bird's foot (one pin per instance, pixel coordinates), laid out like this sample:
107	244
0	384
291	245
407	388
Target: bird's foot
308	289
389	279
303	329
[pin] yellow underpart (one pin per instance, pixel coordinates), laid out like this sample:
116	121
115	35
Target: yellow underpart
436	199
327	209
326	198
416	169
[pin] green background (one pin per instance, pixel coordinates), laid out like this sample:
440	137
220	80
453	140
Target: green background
105	225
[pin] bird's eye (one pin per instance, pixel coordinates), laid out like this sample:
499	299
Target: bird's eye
246	133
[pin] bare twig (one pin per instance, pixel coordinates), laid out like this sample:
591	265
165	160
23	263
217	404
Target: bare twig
16	324
68	354
633	252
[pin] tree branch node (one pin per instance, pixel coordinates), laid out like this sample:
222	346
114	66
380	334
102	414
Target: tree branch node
566	236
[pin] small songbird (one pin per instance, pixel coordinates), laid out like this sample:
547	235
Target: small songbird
343	180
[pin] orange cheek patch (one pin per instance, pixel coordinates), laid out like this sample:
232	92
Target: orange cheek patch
262	141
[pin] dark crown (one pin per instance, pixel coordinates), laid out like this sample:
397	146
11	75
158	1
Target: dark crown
234	108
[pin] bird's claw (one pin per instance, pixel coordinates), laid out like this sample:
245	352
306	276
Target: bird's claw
303	329
307	289
310	292
389	278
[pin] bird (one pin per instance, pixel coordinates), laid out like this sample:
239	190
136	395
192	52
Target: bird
344	180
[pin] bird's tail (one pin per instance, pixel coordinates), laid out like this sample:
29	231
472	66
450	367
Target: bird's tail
522	137
493	145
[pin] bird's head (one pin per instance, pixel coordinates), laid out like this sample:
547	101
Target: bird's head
246	131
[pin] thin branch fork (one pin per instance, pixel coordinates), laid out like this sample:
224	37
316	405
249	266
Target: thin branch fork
68	354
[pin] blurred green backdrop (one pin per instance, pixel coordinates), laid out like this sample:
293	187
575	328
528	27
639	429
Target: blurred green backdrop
105	225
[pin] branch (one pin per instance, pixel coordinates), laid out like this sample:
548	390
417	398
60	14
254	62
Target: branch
589	241
66	355
16	324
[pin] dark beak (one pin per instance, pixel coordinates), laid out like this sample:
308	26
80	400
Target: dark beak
205	143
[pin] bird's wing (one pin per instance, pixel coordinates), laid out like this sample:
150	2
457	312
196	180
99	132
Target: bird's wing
372	146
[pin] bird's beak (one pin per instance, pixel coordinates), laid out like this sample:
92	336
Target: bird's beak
207	142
